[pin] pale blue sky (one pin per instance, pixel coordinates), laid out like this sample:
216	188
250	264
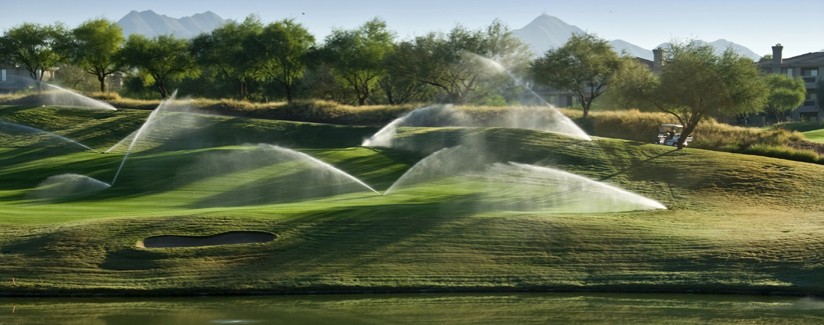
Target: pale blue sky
756	24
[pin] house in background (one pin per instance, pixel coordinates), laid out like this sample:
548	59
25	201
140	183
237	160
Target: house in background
15	78
806	66
12	79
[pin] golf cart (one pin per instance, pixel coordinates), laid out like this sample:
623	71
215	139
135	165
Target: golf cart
668	134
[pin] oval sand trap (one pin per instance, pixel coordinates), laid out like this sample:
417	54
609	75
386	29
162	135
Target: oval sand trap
226	238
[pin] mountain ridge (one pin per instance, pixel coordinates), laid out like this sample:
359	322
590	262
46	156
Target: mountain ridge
548	32
543	33
151	24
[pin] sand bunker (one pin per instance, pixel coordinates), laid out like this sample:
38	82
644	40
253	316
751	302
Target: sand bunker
226	238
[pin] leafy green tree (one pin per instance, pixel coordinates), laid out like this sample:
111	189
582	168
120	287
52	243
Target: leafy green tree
397	87
356	56
37	48
785	94
585	64
160	60
466	65
224	55
695	83
280	52
96	43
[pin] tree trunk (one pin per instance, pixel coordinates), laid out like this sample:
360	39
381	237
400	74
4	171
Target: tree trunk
684	134
162	89
102	80
584	104
288	89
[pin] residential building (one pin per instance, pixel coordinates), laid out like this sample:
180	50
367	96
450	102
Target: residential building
806	66
13	79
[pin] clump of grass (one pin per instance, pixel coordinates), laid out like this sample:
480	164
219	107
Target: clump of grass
629	124
105	96
9	98
635	125
319	111
783	152
135	103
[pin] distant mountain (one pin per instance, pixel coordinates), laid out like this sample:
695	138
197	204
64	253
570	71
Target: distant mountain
621	46
151	24
721	45
547	32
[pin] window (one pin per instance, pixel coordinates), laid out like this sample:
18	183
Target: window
788	72
2	74
809	74
811	98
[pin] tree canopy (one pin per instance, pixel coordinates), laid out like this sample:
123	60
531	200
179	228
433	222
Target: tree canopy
356	56
465	66
584	65
281	50
785	94
225	56
38	48
96	43
160	60
695	83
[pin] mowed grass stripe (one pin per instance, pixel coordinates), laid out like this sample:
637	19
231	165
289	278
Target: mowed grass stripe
735	223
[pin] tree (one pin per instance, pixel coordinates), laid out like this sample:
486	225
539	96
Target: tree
37	48
225	54
631	72
96	43
585	64
695	83
398	87
465	65
281	50
159	60
785	94
356	56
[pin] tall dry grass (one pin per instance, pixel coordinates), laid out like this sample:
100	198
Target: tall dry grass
709	134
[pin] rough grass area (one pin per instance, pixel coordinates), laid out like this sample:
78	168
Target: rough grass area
784	143
734	224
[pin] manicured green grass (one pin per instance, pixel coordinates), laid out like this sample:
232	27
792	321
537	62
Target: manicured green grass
735	223
815	135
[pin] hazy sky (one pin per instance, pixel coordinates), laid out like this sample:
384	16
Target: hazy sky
756	24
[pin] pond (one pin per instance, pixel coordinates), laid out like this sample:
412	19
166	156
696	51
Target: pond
418	309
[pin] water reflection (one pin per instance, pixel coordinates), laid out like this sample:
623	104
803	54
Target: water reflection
405	309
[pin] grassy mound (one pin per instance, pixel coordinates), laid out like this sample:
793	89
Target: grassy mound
734	223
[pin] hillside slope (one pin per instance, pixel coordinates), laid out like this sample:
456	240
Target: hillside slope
734	223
